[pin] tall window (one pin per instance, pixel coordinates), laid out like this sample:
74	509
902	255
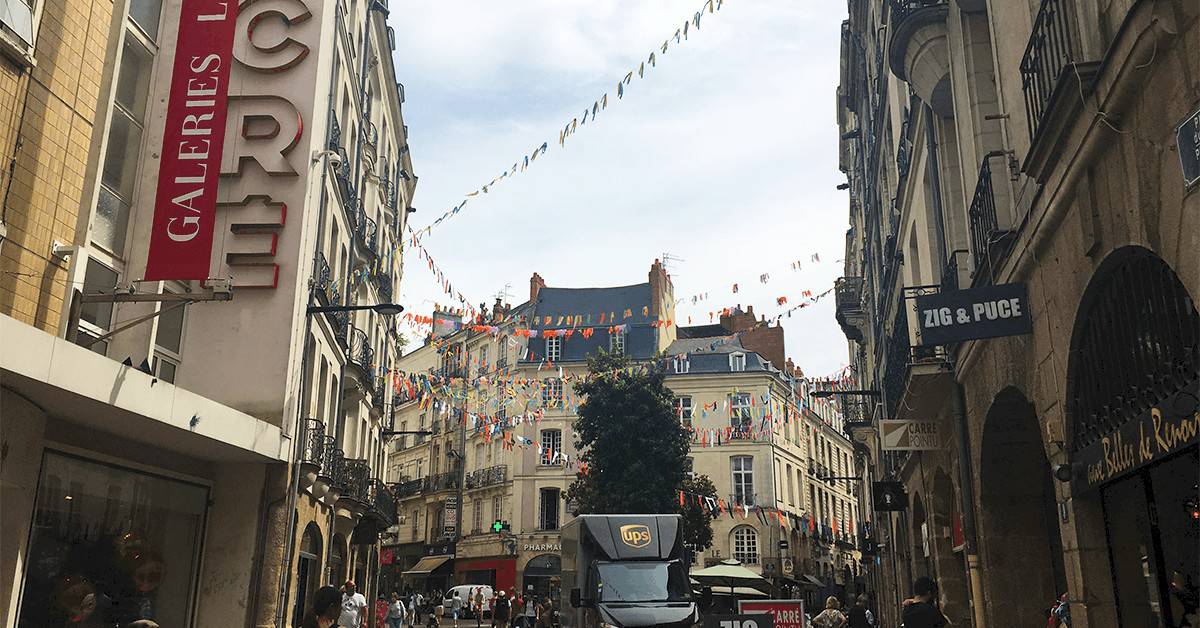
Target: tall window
402	439
739	411
416	524
616	343
420	438
478	516
745	545
502	354
681	364
552	391
791	488
548	503
553	348
743	479
167	339
483	359
96	318
737	362
683	410
551	446
498	507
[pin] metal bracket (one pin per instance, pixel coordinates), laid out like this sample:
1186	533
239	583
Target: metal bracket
218	290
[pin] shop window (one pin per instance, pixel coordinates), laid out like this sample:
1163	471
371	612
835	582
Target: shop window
138	555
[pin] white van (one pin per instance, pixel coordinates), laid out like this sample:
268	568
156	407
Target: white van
466	592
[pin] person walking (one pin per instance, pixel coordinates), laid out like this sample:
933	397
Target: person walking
478	607
860	616
832	616
500	610
456	605
921	611
354	607
323	609
396	612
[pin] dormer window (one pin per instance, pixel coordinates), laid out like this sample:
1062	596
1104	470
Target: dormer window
681	364
616	343
553	348
737	362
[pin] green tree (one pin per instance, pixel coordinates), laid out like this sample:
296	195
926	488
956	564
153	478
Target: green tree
633	446
697	518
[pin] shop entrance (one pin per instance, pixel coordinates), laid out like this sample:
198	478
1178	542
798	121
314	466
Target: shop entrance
542	577
1133	416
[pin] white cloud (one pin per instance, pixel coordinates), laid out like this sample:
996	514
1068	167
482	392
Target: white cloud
724	155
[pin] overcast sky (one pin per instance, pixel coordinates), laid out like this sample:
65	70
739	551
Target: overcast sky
724	155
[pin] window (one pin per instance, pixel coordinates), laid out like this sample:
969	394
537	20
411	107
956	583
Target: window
498	508
483	359
416	526
80	507
420	438
145	13
616	342
739	412
167	339
681	364
553	349
402	439
502	354
745	545
791	488
743	479
478	456
552	391
683	410
95	318
737	362
478	516
551	448
548	509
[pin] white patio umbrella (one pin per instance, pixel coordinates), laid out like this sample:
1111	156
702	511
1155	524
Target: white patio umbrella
730	573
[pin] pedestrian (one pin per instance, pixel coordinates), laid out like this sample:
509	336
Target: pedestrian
860	616
921	611
396	612
544	614
323	609
500	610
354	607
832	616
456	604
478	607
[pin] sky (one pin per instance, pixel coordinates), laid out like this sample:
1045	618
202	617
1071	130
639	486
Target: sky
724	156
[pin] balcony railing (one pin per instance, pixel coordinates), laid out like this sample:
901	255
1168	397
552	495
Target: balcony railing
985	230
314	443
322	275
490	476
1049	52
370	137
361	353
335	135
444	481
366	230
901	9
410	487
341	324
382	502
895	370
358	480
379	393
384	282
336	464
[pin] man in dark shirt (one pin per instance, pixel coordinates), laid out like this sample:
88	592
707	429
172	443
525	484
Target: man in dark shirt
921	611
859	616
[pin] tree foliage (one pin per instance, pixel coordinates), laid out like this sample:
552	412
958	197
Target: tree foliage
633	447
697	518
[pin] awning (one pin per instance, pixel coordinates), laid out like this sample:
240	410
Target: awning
427	565
807	579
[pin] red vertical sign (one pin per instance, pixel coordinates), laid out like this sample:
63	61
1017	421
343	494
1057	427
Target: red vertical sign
185	204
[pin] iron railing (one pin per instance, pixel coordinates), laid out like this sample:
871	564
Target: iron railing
905	148
384	282
335	135
848	292
444	481
361	353
341	324
314	442
1050	51
358	479
490	476
382	501
370	136
895	370
379	393
336	469
366	230
985	229
901	9
950	274
322	274
410	487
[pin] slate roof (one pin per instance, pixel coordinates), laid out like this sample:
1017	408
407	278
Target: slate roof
702	331
589	303
711	355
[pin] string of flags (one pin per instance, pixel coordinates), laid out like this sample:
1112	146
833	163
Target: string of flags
804	522
763	278
524	162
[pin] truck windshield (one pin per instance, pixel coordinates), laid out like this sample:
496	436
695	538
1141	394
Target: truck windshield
642	582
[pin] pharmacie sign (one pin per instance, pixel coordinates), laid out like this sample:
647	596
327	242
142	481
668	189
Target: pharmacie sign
1169	427
185	204
909	435
959	315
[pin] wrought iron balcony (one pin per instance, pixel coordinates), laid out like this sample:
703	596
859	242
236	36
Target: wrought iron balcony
314	443
341	323
410	487
361	353
366	231
335	464
335	135
490	476
370	138
444	481
384	282
357	480
849	312
905	148
322	275
1051	50
896	365
382	502
379	393
986	235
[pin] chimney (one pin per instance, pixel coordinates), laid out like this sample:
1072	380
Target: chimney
536	283
660	288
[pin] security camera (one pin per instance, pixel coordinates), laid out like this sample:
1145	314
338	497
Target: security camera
1063	472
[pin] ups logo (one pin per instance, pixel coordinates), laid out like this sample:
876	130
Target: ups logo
635	535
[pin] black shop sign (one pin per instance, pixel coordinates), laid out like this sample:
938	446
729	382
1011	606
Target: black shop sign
959	315
1172	425
1187	135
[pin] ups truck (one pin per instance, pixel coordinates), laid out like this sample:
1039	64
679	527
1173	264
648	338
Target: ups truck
626	570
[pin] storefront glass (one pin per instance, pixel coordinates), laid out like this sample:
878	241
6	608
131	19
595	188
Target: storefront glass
110	546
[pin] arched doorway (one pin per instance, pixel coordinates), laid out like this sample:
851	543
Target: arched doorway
1133	411
919	566
1018	525
308	570
542	576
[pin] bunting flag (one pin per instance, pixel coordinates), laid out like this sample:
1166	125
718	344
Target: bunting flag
523	162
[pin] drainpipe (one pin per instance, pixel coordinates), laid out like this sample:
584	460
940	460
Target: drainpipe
967	489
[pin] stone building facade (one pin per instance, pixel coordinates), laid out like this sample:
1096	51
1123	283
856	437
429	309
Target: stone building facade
208	452
1039	144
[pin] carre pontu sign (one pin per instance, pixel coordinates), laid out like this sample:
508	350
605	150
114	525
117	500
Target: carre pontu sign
1167	428
974	313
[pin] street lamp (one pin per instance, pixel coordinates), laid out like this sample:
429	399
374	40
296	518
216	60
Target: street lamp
386	309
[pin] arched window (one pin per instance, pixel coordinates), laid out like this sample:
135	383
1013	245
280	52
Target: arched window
745	545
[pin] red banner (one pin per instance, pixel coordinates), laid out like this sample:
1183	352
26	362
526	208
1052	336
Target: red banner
787	613
185	204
